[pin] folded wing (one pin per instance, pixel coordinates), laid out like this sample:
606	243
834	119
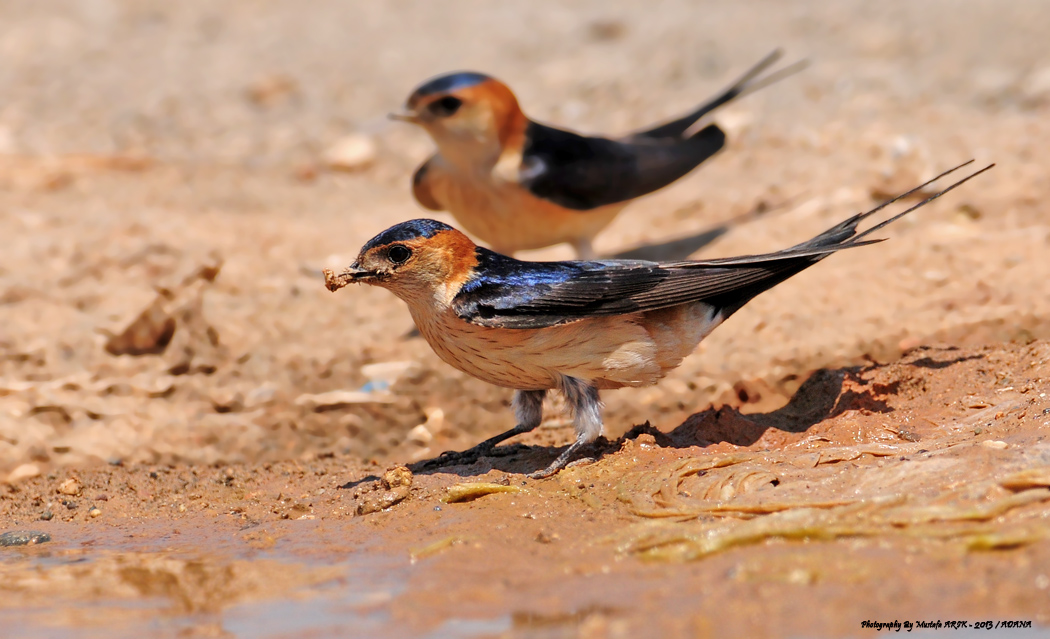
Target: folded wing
584	173
509	293
532	295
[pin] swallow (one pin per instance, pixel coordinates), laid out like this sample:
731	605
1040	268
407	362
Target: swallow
517	184
575	326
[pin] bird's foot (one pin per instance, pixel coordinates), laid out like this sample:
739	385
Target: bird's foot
546	472
561	463
583	461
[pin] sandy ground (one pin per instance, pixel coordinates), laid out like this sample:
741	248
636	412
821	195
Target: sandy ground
167	204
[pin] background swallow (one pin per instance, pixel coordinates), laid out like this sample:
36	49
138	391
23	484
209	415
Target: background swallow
518	184
577	326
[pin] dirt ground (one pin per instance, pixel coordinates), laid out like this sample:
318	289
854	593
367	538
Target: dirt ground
211	439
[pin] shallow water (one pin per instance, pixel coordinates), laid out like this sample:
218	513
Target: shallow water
350	604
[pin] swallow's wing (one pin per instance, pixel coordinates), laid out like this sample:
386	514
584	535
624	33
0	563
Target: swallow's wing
509	293
531	295
583	173
422	183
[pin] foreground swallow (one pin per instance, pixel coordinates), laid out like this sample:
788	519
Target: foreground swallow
517	184
573	326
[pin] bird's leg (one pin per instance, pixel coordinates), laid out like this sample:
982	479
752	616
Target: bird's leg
586	409
528	409
584	248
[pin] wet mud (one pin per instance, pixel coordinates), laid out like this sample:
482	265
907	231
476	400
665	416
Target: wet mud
922	483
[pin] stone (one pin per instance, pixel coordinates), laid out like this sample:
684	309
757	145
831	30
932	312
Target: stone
354	152
24	471
70	486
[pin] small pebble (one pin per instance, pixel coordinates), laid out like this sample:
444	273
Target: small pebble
420	435
351	153
70	486
24	538
994	444
1036	86
94	512
25	471
47	515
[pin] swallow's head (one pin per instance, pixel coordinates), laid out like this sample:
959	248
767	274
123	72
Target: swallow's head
417	260
470	116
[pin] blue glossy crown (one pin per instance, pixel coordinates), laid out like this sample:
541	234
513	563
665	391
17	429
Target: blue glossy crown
406	231
447	82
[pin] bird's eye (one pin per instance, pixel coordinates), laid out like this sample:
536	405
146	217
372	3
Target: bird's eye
399	254
446	106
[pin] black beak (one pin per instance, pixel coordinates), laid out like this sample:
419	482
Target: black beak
356	273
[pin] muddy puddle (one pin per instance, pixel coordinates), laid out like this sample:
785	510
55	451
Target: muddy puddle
106	592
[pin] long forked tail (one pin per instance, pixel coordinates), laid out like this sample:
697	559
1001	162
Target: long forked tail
844	234
747	83
750	275
847	230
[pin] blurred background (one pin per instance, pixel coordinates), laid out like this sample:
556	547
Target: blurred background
174	175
